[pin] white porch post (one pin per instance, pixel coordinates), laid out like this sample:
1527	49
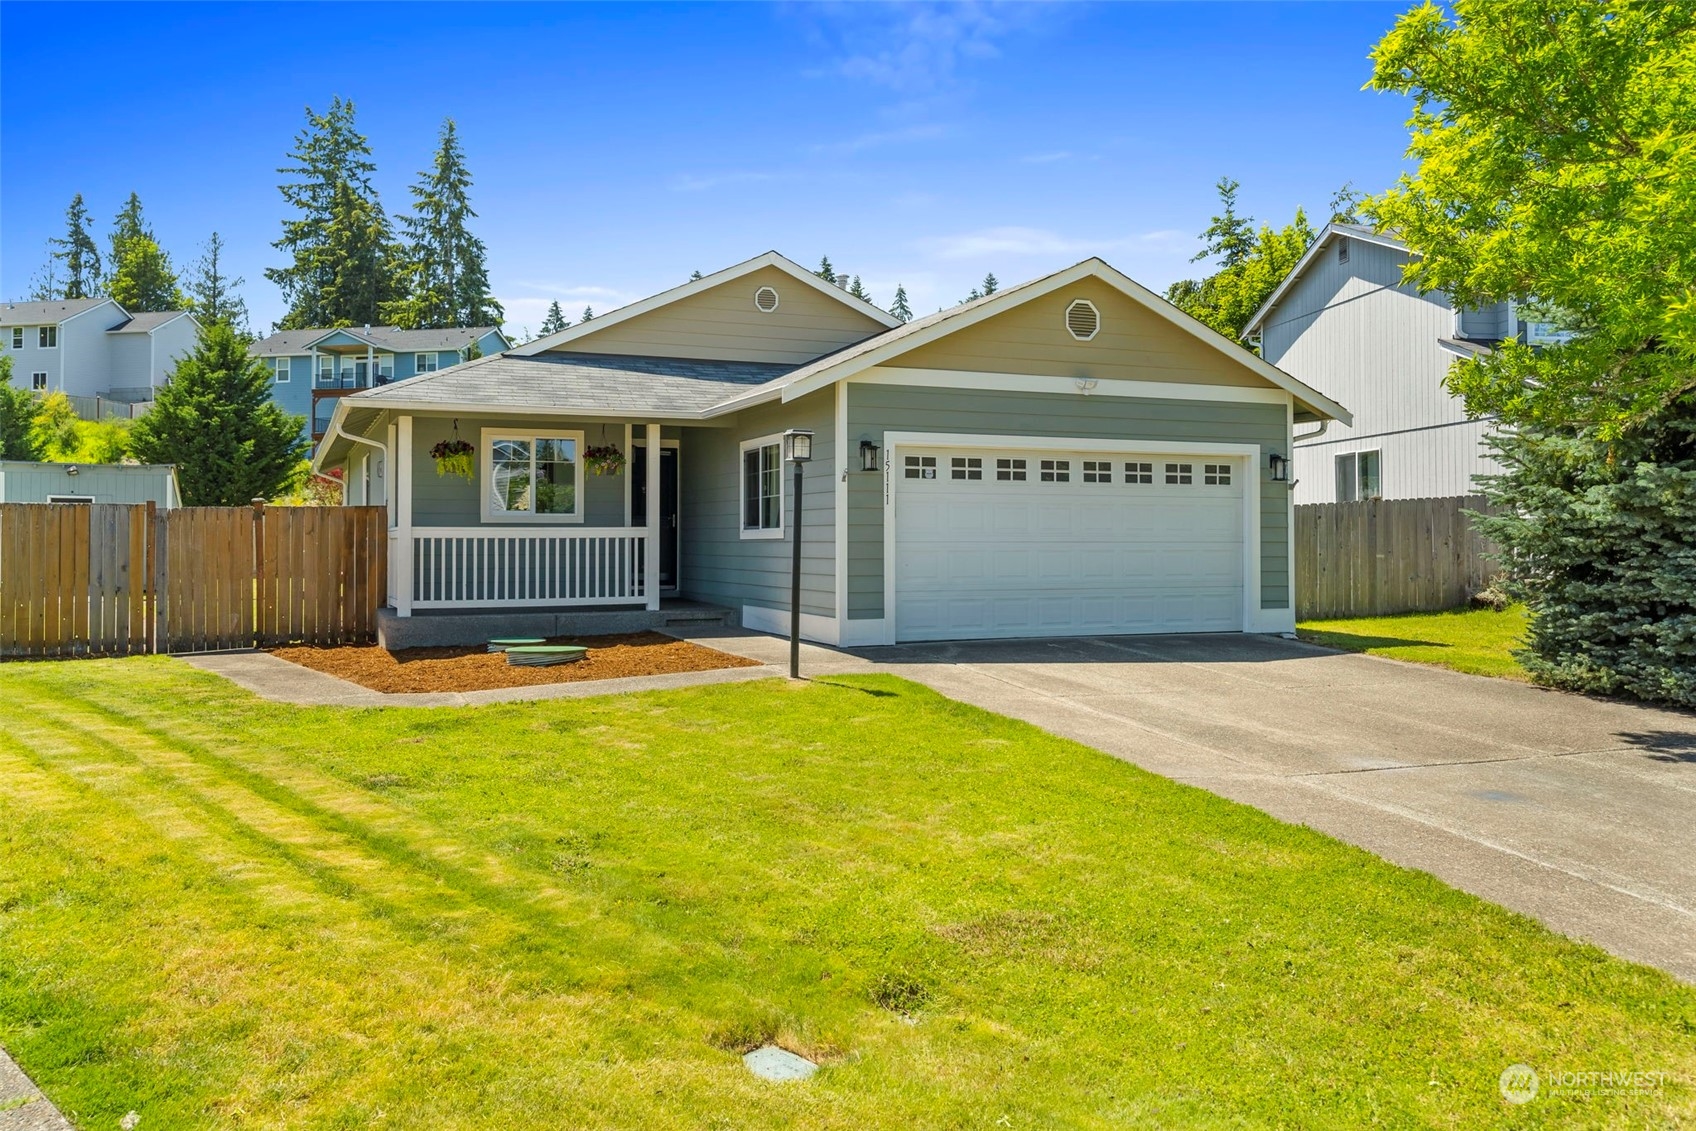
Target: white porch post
651	554
402	475
370	366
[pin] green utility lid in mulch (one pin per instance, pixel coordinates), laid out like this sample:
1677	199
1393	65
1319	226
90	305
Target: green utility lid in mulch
543	655
502	643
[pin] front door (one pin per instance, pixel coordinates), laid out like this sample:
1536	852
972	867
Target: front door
668	506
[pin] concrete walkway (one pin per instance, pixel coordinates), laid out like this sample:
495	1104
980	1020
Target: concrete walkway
22	1106
1579	812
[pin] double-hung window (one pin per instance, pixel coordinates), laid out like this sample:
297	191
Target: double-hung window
17	337
532	476
425	362
38	382
47	337
762	487
282	364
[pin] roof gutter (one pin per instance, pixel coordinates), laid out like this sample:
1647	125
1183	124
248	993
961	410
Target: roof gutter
337	431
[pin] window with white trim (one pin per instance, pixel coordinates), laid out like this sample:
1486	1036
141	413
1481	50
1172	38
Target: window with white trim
47	337
1180	473
762	487
1010	470
17	337
532	476
1098	471
425	362
1216	474
1359	477
966	467
282	369
920	467
1056	471
1139	472
38	381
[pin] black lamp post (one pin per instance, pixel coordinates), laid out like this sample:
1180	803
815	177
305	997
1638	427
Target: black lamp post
798	449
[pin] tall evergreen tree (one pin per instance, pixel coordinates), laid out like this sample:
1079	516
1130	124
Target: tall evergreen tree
899	307
46	285
1252	262
141	277
333	198
1230	238
826	271
856	289
212	294
78	253
216	421
555	321
18	436
990	284
695	274
588	314
446	266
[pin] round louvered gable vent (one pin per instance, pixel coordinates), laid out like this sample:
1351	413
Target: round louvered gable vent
766	299
1083	320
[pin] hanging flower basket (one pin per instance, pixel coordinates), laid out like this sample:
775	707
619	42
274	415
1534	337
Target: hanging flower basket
604	459
453	457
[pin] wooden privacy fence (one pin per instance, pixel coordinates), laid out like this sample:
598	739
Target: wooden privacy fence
110	579
1385	556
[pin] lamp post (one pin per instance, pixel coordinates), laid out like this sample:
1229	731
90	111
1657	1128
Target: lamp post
798	449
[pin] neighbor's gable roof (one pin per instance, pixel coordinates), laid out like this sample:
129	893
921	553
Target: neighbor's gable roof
697	286
389	339
1320	243
149	321
48	313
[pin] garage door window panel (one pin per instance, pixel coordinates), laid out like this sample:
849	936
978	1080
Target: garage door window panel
1010	470
1056	470
1180	474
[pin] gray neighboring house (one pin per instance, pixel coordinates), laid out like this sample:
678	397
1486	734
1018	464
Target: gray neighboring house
1070	456
92	347
28	482
1344	321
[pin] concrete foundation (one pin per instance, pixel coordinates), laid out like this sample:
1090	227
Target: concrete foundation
476	626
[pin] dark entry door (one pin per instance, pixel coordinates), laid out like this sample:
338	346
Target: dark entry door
668	506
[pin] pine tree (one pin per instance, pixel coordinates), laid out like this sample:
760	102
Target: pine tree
18	437
826	271
899	308
78	253
216	421
696	274
447	269
991	284
1230	238
212	294
45	285
858	291
141	278
588	313
555	321
333	196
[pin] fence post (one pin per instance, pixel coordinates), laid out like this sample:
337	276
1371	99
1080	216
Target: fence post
156	570
257	544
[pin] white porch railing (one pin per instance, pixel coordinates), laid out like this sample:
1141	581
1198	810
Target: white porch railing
479	567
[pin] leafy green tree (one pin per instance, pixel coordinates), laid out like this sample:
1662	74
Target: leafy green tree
555	321
588	314
337	209
56	427
899	308
1251	263
1345	204
216	421
141	278
447	267
990	284
1556	161
214	295
77	252
826	271
18	439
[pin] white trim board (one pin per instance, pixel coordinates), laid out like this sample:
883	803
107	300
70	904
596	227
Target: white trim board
1024	383
819	629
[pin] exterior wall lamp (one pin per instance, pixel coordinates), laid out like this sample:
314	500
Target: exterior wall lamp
868	456
1280	467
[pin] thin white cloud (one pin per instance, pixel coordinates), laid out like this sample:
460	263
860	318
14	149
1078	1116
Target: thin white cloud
1015	241
918	47
701	182
880	138
1057	156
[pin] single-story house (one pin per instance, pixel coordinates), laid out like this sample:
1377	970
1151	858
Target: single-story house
23	481
1069	456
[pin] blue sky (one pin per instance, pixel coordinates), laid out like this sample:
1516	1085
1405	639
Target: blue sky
617	148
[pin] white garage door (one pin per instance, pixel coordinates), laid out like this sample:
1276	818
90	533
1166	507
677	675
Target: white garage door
998	543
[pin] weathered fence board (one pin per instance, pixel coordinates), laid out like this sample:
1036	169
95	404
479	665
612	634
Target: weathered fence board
106	578
1386	556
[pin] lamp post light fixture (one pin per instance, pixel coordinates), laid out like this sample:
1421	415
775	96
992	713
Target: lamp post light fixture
1280	467
797	449
868	456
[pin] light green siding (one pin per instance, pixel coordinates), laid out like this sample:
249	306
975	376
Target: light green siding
448	500
876	409
716	562
27	482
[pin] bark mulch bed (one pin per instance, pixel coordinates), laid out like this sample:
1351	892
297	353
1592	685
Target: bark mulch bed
477	669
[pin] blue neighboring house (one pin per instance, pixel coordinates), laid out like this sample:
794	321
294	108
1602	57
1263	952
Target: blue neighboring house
313	368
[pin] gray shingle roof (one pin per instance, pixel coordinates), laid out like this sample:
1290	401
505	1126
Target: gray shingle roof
286	343
580	382
146	322
44	313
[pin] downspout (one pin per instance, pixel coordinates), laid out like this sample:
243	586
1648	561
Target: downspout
1314	435
337	430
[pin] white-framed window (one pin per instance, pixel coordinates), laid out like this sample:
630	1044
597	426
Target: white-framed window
1139	472
920	467
965	467
1010	470
1180	474
1216	474
47	337
532	476
762	487
282	368
38	381
17	337
1098	471
1056	470
1359	476
425	362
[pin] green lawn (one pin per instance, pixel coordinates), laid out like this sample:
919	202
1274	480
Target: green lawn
1475	641
224	913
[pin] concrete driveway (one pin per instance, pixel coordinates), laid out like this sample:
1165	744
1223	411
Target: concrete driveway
1579	812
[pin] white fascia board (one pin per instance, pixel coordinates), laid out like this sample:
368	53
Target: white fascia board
98	306
1071	386
350	332
695	287
1320	243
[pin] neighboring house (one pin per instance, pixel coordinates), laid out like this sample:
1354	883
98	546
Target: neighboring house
313	368
1069	456
92	347
1344	321
28	482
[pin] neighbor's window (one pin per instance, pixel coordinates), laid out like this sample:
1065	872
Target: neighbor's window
282	364
47	337
424	363
537	476
38	381
762	488
1358	477
17	337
